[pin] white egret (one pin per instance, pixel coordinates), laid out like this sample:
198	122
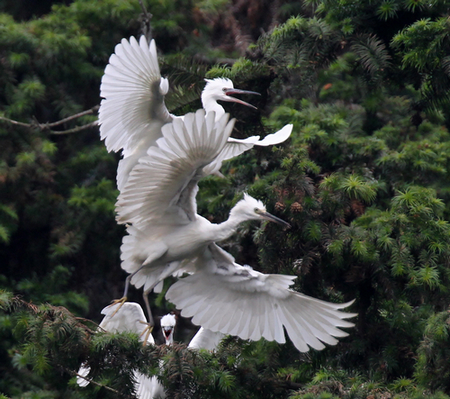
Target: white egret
203	339
168	323
228	298
206	339
133	111
129	317
159	201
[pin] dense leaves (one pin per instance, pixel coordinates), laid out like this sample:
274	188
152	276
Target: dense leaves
364	182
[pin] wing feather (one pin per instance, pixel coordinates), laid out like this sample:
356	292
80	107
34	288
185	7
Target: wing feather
226	297
235	147
132	110
165	180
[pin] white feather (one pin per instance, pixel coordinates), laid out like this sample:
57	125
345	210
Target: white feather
231	299
129	318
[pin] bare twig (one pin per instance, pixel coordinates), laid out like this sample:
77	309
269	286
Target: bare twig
146	27
16	122
69	118
75	129
47	126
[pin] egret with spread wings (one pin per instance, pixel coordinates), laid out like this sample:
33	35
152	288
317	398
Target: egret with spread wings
228	298
133	111
158	202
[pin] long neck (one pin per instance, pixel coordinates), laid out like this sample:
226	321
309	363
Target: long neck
210	104
225	229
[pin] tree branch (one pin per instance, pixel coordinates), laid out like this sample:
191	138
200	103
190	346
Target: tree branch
93	382
69	118
12	122
47	126
146	28
75	129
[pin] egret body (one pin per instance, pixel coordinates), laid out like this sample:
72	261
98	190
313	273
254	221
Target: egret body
158	201
128	317
133	111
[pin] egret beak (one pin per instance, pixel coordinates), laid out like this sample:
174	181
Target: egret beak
167	331
230	92
268	216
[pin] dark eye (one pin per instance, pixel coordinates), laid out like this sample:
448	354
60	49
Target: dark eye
256	210
224	89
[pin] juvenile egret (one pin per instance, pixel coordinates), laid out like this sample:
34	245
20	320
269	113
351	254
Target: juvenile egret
228	298
129	317
133	111
203	339
159	201
168	323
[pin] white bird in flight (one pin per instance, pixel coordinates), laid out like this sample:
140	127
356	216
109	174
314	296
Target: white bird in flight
133	111
159	201
158	182
228	298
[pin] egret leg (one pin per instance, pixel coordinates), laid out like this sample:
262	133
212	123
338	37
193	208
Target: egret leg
147	306
170	268
147	331
125	292
151	323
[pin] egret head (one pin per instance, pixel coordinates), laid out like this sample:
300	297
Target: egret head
222	89
250	208
167	326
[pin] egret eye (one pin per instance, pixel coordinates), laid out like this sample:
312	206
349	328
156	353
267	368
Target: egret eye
224	89
256	210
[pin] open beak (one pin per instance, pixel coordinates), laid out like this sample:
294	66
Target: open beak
231	92
167	331
268	216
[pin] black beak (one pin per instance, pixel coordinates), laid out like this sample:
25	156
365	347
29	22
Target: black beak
268	216
230	92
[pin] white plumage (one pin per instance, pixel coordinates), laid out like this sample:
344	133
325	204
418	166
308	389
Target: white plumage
128	317
232	299
206	339
133	111
164	158
159	201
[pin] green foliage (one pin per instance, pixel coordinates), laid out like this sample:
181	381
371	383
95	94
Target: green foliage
364	182
432	366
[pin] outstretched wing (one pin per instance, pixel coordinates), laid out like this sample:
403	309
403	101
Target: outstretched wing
226	297
132	109
164	182
235	147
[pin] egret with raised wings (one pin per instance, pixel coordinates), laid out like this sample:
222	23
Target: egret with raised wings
228	298
159	201
133	111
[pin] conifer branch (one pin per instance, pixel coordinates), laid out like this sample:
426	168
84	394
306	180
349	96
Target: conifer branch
91	381
46	126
